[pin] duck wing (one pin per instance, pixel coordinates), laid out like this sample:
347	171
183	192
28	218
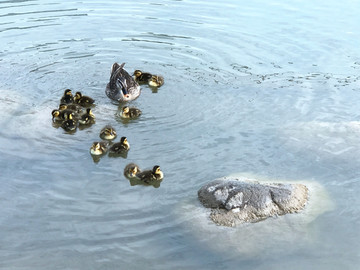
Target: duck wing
124	78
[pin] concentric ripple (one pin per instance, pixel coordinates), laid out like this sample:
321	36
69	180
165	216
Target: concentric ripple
262	87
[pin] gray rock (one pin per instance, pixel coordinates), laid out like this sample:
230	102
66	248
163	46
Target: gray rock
233	201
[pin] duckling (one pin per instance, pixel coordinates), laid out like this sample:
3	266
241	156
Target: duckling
58	115
131	170
127	112
156	81
83	100
151	175
74	107
122	87
67	98
120	147
108	133
87	118
99	148
142	76
69	124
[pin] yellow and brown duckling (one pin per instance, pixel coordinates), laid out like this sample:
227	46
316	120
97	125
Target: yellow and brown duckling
74	107
61	115
150	176
67	98
156	81
83	100
56	116
69	124
127	112
131	170
99	148
121	147
140	76
108	133
87	118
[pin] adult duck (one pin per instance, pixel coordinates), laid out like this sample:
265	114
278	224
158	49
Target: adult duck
122	87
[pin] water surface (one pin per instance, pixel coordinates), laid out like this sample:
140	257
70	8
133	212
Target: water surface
265	87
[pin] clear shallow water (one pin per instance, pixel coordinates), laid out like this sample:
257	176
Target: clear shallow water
266	88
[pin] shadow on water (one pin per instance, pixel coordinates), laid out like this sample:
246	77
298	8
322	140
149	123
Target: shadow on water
123	154
137	182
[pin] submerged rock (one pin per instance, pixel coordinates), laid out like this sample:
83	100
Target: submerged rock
233	201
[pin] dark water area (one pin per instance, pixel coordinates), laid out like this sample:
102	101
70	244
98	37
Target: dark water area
265	88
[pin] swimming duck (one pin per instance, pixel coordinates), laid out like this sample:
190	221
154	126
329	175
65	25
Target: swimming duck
67	98
122	87
83	100
120	147
69	124
156	80
87	118
131	170
142	76
99	148
151	175
108	133
127	112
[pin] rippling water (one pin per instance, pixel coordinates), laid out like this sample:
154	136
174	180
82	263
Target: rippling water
267	88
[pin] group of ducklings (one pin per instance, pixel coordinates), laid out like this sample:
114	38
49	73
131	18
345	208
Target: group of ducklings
108	133
71	113
150	79
131	171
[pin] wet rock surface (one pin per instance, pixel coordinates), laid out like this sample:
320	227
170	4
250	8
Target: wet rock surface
233	201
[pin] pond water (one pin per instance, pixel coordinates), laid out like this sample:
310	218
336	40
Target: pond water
264	87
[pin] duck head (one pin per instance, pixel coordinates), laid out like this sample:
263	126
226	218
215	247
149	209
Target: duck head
78	95
137	73
68	92
55	114
125	142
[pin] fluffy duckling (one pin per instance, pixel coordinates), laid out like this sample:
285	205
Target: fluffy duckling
99	148
131	170
120	147
151	175
87	118
74	107
58	115
142	76
83	100
69	124
156	80
108	133
67	98
127	112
